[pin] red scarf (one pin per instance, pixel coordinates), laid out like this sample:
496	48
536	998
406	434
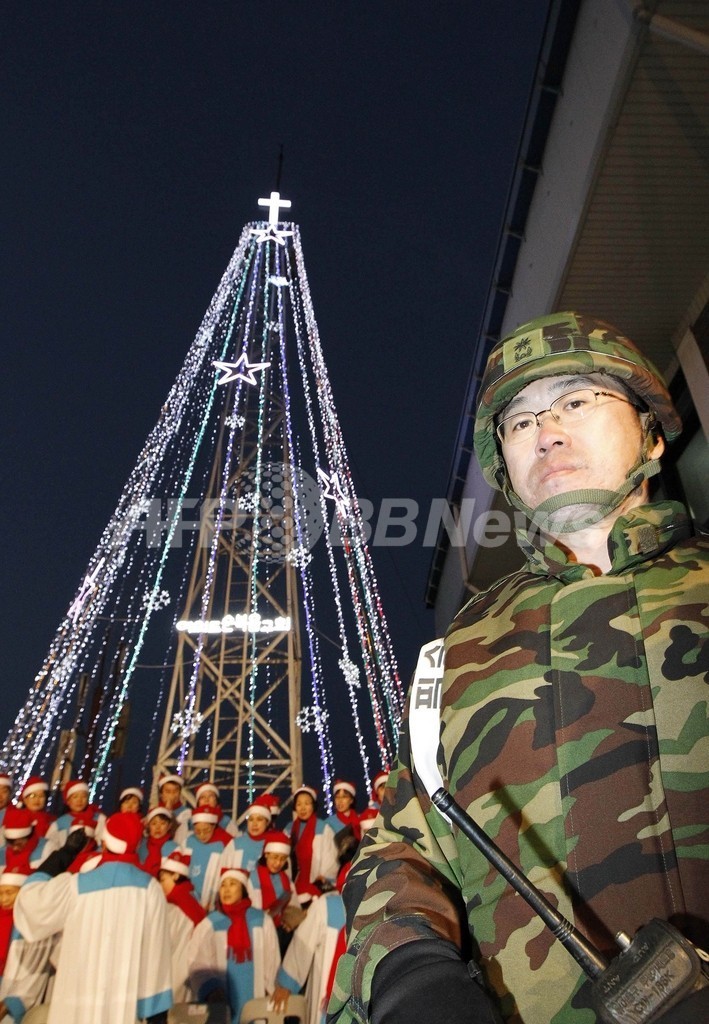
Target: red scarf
303	848
6	919
268	891
89	851
182	898
151	864
351	818
122	858
238	939
42	821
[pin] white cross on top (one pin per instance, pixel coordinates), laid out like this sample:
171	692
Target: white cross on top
274	204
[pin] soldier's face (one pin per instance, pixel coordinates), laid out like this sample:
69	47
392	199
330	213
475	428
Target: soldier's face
596	452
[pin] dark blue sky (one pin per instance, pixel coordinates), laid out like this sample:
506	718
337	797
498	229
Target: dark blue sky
136	139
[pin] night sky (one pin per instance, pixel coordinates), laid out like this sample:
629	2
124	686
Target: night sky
135	139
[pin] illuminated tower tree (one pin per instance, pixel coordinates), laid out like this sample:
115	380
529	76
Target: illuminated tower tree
245	626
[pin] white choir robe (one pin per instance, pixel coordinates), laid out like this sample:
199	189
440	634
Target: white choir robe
242	852
323	863
114	960
181	929
311	951
210	968
27	973
205	869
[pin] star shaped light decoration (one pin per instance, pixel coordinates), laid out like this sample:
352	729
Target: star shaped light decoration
278	235
332	489
242	369
87	589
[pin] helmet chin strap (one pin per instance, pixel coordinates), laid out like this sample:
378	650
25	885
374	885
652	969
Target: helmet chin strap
545	516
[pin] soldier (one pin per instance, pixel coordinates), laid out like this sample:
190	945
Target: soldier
574	719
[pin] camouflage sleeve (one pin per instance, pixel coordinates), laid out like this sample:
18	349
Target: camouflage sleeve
403	886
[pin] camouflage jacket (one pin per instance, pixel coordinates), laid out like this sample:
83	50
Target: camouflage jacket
574	729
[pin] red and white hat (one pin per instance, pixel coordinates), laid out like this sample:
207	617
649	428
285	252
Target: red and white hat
16	876
277	842
272	801
240	874
122	832
349	787
306	789
260	808
177	861
5	780
206	787
380	777
367	818
35	784
18	822
206	814
131	791
74	786
170	778
154	812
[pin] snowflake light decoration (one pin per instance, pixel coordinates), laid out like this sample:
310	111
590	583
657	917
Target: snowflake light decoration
160	600
248	501
235	422
186	723
311	719
299	556
350	672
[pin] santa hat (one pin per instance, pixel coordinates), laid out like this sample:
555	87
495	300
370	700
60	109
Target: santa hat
5	780
74	786
278	842
18	822
272	801
206	814
206	787
260	808
349	787
34	784
170	778
161	811
367	818
131	791
306	789
123	832
379	778
17	876
240	874
178	862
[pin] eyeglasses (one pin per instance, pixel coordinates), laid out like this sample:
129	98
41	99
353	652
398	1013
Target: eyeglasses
566	410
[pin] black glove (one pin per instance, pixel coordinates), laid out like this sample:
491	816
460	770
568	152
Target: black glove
426	980
61	859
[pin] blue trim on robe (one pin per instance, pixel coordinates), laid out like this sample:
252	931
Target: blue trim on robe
113	875
154	1004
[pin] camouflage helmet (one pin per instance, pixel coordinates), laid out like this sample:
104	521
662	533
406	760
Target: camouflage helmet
563	343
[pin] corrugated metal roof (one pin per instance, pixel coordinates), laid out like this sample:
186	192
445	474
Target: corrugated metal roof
651	198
